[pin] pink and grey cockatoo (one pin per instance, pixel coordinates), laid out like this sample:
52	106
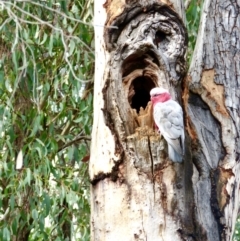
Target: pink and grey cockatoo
168	117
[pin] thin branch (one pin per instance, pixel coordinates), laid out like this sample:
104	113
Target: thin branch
87	138
4	216
62	14
66	127
66	54
35	77
18	26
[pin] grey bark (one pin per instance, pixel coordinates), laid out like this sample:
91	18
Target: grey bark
137	192
213	114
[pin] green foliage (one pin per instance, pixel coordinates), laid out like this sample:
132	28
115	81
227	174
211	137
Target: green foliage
46	69
193	14
236	236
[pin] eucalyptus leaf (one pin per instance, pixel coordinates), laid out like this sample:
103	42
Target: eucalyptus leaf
39	102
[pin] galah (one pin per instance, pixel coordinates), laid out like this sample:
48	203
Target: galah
168	117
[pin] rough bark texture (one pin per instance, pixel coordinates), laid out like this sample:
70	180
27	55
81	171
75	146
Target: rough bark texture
137	192
212	106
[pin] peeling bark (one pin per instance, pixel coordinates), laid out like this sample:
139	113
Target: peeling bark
212	108
137	193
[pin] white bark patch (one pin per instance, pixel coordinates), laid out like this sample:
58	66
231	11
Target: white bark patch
103	157
137	192
19	160
131	211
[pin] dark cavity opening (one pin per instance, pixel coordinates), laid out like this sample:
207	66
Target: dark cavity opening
159	37
135	61
140	92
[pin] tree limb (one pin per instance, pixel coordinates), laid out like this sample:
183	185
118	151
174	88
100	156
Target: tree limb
87	138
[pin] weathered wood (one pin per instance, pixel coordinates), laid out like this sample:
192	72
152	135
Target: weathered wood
137	193
144	47
212	107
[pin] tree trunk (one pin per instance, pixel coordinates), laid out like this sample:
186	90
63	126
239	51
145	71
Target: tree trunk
212	118
137	192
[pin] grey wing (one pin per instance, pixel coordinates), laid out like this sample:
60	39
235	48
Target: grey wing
170	123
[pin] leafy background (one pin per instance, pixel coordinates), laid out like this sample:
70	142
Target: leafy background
46	89
46	72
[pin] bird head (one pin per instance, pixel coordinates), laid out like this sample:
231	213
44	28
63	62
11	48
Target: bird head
159	94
